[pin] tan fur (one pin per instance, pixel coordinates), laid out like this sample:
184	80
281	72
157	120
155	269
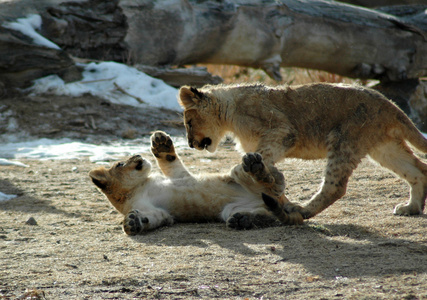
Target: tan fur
343	123
149	201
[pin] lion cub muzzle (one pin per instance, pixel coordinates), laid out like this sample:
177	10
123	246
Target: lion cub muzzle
203	144
137	161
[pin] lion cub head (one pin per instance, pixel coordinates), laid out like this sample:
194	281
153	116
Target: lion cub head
204	129
120	181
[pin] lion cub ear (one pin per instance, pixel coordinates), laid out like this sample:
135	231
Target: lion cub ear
100	178
189	97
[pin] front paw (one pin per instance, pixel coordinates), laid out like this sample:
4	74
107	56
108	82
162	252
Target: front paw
134	223
162	146
297	213
253	164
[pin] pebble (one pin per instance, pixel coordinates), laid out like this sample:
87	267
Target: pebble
31	221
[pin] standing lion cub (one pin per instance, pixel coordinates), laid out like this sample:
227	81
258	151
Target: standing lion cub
148	201
343	123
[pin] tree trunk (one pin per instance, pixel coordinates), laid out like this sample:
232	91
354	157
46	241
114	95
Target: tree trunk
331	36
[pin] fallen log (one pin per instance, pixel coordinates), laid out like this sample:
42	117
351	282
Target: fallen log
389	43
331	36
21	61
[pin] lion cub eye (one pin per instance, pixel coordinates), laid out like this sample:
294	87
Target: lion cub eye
120	164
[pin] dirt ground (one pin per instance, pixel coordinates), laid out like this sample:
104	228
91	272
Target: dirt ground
356	249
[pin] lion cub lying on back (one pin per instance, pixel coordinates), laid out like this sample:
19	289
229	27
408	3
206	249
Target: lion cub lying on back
149	201
342	123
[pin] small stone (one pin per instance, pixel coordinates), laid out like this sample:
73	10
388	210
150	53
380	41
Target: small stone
31	221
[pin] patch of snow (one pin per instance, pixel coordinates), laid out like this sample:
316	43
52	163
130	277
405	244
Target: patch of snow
43	149
106	80
6	162
28	27
5	197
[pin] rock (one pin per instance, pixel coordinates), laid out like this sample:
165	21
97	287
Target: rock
411	96
31	221
418	104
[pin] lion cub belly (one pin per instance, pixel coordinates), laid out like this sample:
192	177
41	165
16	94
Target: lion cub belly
310	151
198	199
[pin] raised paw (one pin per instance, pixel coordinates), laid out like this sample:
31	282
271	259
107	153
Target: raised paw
253	164
162	146
239	221
134	223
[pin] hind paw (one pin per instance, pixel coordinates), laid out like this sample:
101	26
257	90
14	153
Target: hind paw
162	146
134	223
239	221
244	221
407	210
289	214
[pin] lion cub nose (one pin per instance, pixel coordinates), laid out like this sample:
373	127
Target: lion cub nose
205	142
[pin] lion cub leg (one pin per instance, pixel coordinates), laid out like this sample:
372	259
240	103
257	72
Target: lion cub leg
167	159
249	212
398	157
339	168
137	222
255	177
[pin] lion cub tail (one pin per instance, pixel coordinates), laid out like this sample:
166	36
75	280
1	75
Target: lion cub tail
409	132
279	210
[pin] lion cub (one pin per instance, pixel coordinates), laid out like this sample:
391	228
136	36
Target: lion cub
149	201
343	123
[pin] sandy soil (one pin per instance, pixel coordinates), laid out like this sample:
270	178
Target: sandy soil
356	249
